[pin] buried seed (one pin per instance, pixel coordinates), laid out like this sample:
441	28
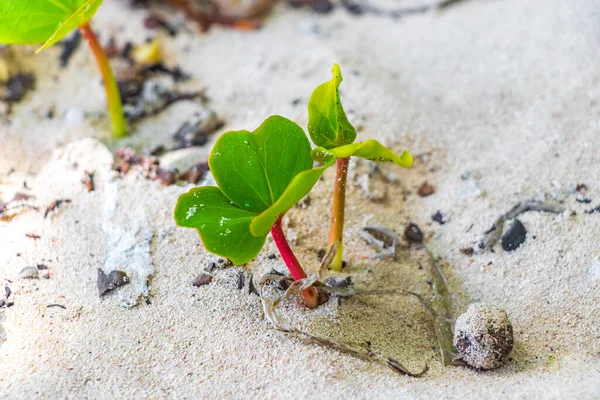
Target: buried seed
484	336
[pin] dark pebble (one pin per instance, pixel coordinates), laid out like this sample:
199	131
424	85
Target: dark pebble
202	279
514	236
321	253
114	279
167	176
413	233
17	86
584	200
272	256
7	292
467	250
322	6
426	190
69	45
438	217
195	173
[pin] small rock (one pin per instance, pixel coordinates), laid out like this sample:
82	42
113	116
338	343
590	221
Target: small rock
467	250
413	233
69	45
29	273
438	217
339	282
514	236
166	176
426	189
202	279
195	131
483	336
7	292
114	279
17	86
195	173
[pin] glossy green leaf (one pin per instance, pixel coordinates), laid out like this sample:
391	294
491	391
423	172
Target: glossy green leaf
223	227
261	175
38	21
328	125
254	169
300	186
369	149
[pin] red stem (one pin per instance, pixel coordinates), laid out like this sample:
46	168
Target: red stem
310	295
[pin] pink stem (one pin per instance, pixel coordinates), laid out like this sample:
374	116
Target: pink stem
311	299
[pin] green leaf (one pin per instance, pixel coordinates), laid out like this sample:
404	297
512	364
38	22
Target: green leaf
369	149
37	21
223	227
254	169
328	125
261	175
300	186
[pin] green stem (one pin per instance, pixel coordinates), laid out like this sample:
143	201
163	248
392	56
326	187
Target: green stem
113	97
336	231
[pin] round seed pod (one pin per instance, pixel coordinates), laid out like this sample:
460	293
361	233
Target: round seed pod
483	336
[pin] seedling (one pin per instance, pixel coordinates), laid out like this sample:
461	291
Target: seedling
260	176
48	21
331	131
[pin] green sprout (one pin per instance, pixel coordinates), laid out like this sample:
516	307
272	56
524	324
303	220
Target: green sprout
331	131
48	21
260	176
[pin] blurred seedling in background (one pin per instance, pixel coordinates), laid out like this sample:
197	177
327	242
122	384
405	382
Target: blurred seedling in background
260	176
47	22
331	131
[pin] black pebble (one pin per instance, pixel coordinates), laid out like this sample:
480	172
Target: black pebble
514	236
413	233
438	217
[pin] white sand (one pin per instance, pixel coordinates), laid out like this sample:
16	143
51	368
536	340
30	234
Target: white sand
507	90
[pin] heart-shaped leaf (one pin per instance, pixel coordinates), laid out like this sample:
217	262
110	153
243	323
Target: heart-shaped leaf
223	227
300	186
254	169
369	149
261	175
38	21
328	125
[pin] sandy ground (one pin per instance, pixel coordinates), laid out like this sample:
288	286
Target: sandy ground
499	101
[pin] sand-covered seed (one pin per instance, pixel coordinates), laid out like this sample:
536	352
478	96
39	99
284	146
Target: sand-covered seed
483	336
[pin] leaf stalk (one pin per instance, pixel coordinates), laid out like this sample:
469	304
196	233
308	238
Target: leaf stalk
336	231
113	97
311	298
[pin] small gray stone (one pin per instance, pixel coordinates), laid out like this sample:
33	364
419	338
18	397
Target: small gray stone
114	279
202	279
483	336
